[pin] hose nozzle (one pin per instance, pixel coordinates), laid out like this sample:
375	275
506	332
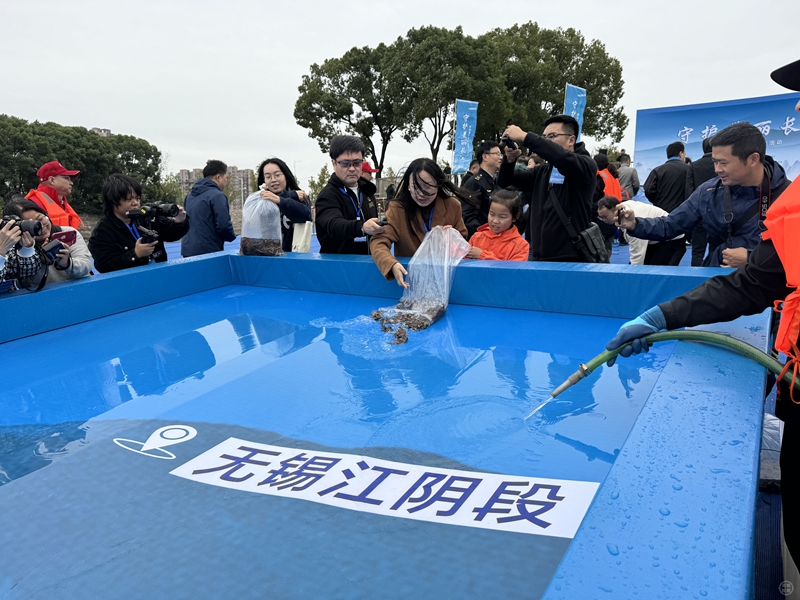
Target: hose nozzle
582	372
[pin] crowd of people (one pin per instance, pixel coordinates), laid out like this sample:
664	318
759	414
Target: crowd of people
558	203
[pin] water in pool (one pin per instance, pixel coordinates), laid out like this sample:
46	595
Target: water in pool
305	370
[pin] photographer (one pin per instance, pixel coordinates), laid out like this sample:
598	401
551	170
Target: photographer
16	262
66	251
126	238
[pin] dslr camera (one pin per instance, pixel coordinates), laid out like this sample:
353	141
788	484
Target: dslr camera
32	227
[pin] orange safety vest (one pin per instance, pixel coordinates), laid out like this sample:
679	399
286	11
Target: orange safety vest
63	217
612	186
783	228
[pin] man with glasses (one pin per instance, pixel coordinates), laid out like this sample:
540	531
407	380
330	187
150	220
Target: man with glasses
55	184
346	209
569	176
482	185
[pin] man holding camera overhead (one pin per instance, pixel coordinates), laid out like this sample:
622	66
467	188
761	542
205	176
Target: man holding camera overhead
131	235
211	216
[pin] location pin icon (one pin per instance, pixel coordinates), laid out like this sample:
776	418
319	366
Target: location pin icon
169	435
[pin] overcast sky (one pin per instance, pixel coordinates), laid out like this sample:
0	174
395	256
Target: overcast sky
219	80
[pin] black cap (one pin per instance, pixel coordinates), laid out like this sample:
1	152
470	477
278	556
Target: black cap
788	76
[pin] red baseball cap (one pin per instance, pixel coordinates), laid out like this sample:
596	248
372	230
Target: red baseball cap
366	167
54	168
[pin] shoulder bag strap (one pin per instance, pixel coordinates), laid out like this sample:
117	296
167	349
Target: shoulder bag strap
562	215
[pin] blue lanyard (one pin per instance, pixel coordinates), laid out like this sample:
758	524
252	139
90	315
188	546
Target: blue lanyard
360	198
134	231
430	218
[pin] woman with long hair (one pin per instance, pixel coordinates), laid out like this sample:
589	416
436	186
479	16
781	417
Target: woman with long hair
278	184
425	199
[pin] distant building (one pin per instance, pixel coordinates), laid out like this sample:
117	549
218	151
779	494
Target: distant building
239	181
101	132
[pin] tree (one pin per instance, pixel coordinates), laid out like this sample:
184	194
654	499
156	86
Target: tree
435	66
537	64
351	95
315	184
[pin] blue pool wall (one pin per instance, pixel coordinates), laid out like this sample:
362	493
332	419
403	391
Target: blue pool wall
618	291
676	513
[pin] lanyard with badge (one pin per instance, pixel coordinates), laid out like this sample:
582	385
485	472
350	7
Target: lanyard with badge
430	219
134	230
357	208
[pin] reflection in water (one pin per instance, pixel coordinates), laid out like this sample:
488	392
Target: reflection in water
70	398
591	452
381	373
27	448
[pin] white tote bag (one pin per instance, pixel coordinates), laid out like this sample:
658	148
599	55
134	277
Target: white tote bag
301	237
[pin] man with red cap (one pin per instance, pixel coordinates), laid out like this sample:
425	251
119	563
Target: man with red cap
771	276
367	171
55	184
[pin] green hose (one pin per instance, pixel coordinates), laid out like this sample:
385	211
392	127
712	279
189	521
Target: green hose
708	337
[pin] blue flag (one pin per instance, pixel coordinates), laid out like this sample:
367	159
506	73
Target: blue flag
466	122
575	104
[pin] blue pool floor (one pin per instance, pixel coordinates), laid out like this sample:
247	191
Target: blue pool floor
304	368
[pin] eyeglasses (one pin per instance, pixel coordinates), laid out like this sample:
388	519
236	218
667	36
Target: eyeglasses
276	176
495	153
348	164
552	136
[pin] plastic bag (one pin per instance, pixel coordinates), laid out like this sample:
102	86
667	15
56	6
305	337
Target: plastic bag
430	276
261	227
301	237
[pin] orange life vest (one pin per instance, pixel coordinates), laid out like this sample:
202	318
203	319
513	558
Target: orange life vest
62	216
613	188
783	228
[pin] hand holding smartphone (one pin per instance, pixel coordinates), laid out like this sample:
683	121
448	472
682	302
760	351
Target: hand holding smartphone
65	237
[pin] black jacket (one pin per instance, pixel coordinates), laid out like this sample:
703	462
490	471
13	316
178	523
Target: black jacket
548	237
666	185
112	245
749	290
700	171
337	226
481	186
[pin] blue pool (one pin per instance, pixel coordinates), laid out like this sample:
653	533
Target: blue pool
239	427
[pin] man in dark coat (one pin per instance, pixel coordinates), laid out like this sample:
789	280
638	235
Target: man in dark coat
750	179
749	290
208	209
482	185
665	186
346	208
569	171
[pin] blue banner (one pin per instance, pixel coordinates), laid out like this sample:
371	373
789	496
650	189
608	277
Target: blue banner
775	116
466	122
575	104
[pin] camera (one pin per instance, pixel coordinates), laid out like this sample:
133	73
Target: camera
151	211
148	235
508	142
32	227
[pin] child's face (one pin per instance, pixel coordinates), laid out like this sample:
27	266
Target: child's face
500	218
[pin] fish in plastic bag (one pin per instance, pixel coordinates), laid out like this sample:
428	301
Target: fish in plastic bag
261	227
430	276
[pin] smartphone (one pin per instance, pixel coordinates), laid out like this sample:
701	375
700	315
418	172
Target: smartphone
66	237
52	248
509	142
383	222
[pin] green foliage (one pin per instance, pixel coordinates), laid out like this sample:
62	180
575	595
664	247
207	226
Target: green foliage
537	64
351	95
24	147
315	184
517	75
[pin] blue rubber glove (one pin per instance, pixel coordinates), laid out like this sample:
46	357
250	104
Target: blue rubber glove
634	331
